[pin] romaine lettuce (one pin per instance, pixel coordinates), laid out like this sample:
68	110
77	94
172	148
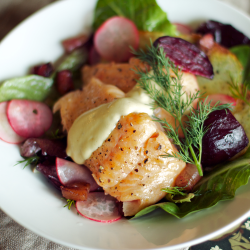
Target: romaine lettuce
146	14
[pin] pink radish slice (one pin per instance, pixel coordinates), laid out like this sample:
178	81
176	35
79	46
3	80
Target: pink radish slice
69	172
114	37
223	99
7	134
99	207
183	28
29	118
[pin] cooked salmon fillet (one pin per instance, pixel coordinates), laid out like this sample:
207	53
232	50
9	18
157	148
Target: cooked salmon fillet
77	102
129	164
117	74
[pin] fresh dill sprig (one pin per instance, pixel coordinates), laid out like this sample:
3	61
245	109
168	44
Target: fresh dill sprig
239	91
29	160
69	203
168	94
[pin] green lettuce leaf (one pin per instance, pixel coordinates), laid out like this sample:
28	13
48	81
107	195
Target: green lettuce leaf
219	185
31	87
146	14
242	52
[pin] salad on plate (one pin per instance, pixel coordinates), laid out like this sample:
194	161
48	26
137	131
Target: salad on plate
139	115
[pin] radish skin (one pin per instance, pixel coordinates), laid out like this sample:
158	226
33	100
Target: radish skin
7	134
114	37
29	118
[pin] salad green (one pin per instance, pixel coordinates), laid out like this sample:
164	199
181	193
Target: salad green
146	14
219	185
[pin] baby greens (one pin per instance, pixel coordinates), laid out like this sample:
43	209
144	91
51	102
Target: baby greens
146	14
219	185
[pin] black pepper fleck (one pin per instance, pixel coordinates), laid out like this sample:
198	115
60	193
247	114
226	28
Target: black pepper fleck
119	126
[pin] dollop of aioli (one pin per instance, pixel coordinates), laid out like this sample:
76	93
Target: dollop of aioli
92	128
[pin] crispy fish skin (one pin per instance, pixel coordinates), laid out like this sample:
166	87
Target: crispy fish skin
91	96
129	165
120	75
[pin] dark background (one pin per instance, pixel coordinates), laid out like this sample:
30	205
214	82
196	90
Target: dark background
12	12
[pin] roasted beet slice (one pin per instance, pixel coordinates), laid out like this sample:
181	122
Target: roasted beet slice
224	139
224	34
186	56
48	169
45	147
43	70
64	82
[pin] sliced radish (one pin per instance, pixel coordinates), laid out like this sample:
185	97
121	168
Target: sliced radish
69	172
183	28
99	207
114	37
7	134
29	118
223	99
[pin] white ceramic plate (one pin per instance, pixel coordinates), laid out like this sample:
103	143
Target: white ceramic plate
28	198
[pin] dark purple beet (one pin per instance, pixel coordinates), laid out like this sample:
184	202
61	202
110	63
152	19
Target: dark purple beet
43	70
224	139
64	82
186	56
44	147
93	57
224	34
48	169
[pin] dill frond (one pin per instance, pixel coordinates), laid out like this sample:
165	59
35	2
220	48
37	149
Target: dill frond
69	203
163	85
239	91
29	160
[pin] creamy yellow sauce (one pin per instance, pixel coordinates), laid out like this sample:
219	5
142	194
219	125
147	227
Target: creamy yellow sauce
92	128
